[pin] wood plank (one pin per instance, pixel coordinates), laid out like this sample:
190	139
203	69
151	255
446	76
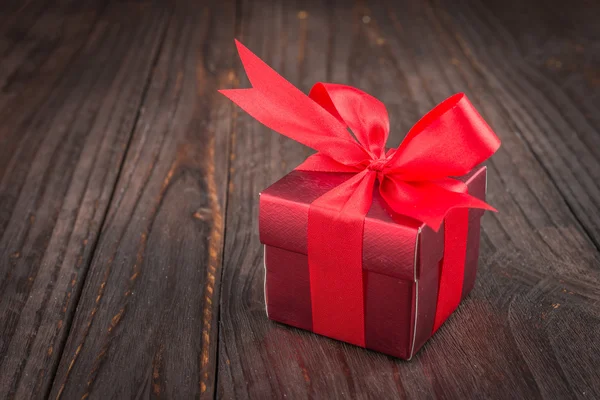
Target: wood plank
530	328
68	106
146	323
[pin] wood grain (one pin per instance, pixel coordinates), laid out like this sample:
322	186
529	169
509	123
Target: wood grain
130	264
71	90
146	323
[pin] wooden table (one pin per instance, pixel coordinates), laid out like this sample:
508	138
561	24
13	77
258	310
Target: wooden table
130	264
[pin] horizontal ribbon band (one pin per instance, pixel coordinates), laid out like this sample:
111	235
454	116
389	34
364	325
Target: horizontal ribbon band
414	180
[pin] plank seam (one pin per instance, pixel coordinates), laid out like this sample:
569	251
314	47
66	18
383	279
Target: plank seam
237	34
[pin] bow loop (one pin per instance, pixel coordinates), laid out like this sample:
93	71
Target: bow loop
366	116
450	140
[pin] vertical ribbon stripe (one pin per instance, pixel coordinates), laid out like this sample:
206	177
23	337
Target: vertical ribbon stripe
452	272
335	259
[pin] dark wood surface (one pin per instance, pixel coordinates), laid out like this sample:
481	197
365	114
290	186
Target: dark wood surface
130	265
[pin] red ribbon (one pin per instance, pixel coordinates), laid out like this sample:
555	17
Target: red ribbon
414	180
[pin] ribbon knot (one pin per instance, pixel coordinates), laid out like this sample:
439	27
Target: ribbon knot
378	164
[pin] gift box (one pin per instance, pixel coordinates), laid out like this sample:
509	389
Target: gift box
365	244
402	260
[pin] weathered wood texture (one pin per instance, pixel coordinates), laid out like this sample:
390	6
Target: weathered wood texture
130	264
146	323
71	90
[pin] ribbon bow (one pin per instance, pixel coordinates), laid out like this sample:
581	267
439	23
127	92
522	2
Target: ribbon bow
414	179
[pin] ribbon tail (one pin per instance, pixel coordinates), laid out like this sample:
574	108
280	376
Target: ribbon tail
335	241
280	106
428	201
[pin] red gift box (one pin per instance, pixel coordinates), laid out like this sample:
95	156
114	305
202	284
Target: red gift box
401	261
372	246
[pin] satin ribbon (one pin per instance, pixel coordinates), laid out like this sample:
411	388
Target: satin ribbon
349	128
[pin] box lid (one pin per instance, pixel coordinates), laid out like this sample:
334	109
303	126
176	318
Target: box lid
394	244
